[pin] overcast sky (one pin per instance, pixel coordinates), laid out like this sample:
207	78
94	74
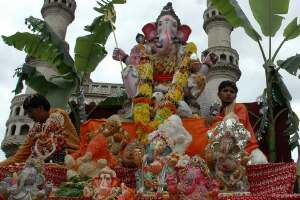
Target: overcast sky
130	19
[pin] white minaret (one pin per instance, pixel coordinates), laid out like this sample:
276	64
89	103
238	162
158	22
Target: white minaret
227	68
58	14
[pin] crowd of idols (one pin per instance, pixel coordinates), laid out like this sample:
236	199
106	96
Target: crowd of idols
174	151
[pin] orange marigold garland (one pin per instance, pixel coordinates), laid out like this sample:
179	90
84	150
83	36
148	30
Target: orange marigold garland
141	109
175	93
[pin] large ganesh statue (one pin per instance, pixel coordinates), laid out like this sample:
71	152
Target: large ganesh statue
162	62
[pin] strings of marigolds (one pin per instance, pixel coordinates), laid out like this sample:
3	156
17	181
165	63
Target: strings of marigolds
142	101
176	91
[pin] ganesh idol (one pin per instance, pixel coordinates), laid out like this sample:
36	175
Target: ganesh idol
163	63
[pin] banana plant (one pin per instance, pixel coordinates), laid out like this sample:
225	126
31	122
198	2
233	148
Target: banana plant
42	43
269	14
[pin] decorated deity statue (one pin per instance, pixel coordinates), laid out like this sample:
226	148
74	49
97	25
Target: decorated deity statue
27	182
163	64
173	129
226	157
51	137
191	180
117	137
152	176
227	92
108	143
133	155
105	187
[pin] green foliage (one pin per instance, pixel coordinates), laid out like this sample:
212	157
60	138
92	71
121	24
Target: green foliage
89	49
281	96
291	64
292	30
57	89
46	46
267	14
280	93
88	53
73	188
233	13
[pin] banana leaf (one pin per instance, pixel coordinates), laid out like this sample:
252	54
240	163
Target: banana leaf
291	64
292	30
233	13
268	14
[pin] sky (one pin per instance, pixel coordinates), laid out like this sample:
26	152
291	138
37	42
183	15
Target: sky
130	19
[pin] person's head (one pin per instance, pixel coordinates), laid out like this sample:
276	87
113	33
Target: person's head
227	92
140	38
37	107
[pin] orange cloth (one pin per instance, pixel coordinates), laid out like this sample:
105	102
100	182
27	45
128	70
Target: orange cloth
99	149
241	111
196	127
24	150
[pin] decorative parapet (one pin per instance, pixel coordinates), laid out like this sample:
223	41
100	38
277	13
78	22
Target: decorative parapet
67	5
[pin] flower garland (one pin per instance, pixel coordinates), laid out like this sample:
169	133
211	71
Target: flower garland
142	101
141	109
175	93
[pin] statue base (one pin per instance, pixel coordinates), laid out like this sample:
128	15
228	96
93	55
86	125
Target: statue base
152	196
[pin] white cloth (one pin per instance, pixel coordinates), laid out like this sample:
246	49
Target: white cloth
257	157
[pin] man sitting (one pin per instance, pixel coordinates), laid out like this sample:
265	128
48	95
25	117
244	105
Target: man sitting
51	137
227	92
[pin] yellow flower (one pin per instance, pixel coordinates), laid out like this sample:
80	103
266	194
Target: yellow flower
163	113
175	94
146	71
141	113
190	48
145	90
180	78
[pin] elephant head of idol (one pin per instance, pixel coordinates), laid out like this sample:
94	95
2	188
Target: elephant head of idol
166	32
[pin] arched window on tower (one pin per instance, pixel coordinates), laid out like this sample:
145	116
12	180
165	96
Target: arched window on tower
70	5
17	111
13	130
64	1
223	57
24	129
213	13
207	15
231	59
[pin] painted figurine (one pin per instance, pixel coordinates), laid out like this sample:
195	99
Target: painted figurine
108	143
51	137
151	178
105	187
27	182
226	157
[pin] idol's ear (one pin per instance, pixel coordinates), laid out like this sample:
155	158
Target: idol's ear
149	31
183	33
